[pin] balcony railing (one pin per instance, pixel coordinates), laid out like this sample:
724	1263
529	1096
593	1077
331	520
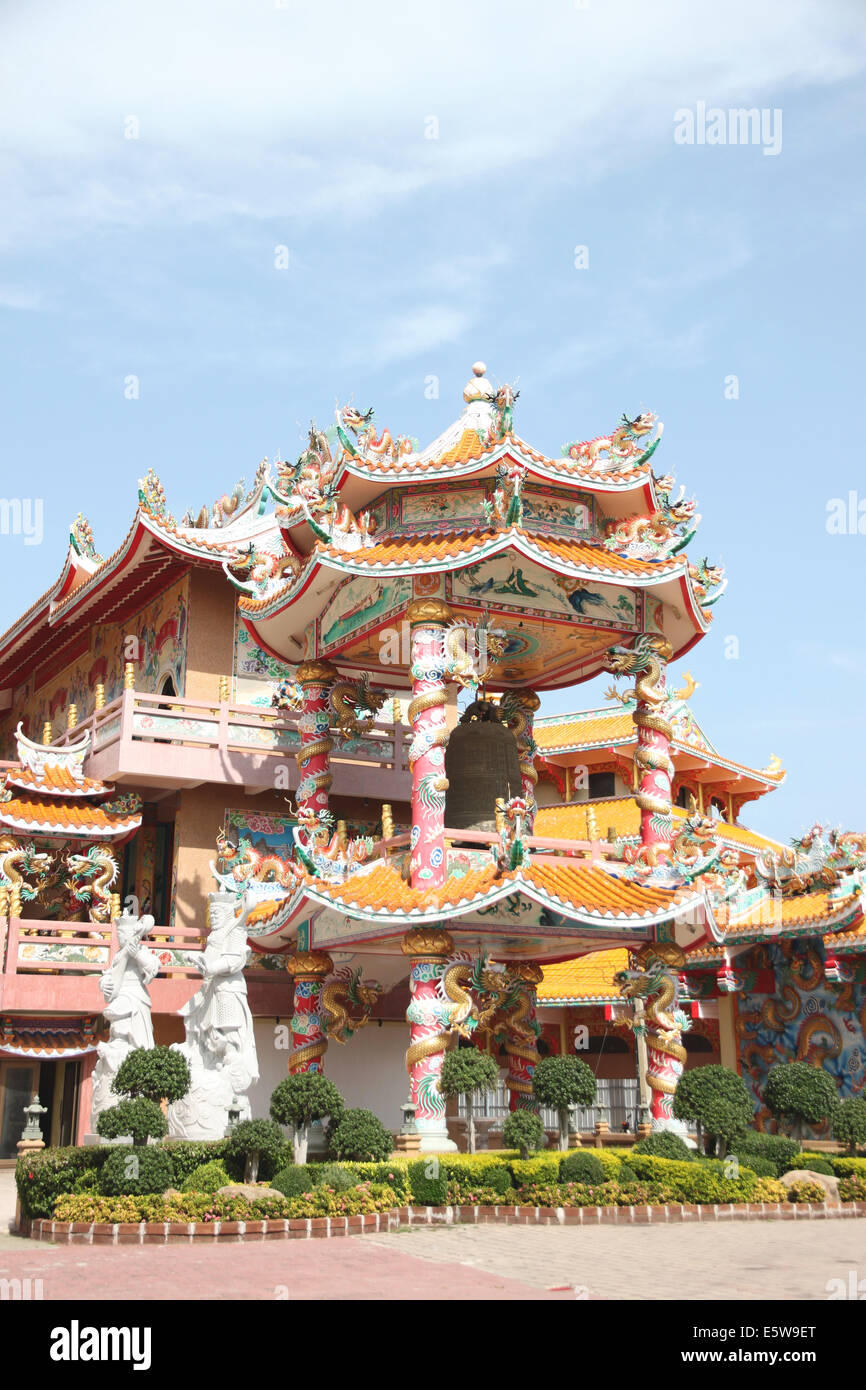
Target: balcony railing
617	1102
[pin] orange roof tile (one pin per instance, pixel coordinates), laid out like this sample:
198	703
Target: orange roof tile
75	818
468	447
404	550
580	733
587	977
771	912
622	814
56	781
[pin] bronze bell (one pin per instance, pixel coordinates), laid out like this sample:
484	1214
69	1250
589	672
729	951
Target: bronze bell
481	764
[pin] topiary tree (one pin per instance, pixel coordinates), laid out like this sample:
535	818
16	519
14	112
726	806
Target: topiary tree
207	1177
255	1143
719	1102
154	1073
360	1135
467	1072
801	1094
849	1123
141	1118
136	1172
560	1083
299	1100
523	1130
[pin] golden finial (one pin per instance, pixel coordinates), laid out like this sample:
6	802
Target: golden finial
72	716
342	834
46	731
591	827
99	696
500	815
387	821
224	689
129	676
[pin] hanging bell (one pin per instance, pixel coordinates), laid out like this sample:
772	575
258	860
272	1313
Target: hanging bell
482	766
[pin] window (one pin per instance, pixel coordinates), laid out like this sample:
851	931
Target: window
601	785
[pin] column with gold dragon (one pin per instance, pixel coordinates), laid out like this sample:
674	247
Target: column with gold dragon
429	1016
427	618
521	1035
655	981
647	661
309	970
314	755
518	708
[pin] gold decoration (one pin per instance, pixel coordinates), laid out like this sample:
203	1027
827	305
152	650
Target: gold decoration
387	821
129	675
99	697
428	610
72	716
427	941
316	673
591	826
526	970
224	689
46	731
309	964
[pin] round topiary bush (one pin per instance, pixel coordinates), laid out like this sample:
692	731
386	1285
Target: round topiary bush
778	1149
560	1083
336	1176
810	1164
208	1177
137	1172
801	1094
468	1072
255	1148
849	1123
497	1178
156	1073
359	1135
300	1100
761	1167
665	1144
718	1100
293	1181
582	1167
523	1130
141	1118
625	1175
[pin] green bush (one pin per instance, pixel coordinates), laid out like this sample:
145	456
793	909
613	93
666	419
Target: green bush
778	1149
336	1176
251	1138
849	1123
852	1189
389	1174
428	1184
561	1082
299	1100
153	1073
208	1177
762	1167
811	1163
540	1169
582	1166
665	1144
189	1154
497	1179
87	1183
58	1171
696	1182
718	1100
360	1135
468	1072
626	1175
141	1118
294	1180
523	1130
801	1094
849	1167
806	1192
136	1172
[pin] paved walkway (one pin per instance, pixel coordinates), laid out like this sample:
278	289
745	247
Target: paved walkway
741	1261
736	1260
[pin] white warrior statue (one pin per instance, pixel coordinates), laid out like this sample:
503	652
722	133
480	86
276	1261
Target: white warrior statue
127	1008
220	1044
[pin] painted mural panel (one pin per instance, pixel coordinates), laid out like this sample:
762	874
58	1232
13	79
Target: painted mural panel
505	582
359	604
161	632
267	832
422	511
800	1017
543	512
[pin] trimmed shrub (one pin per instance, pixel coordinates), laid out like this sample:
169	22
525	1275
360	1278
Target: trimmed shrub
141	1118
299	1100
626	1175
389	1174
761	1167
665	1144
294	1181
775	1147
153	1073
135	1172
696	1182
852	1189
428	1184
718	1100
497	1179
43	1177
189	1154
813	1163
255	1149
359	1134
468	1072
769	1190
801	1094
336	1176
582	1166
849	1167
524	1131
806	1192
544	1168
208	1177
849	1123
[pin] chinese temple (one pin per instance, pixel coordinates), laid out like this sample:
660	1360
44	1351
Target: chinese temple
316	701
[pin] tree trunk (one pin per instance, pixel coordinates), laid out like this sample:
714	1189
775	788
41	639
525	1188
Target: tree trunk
300	1139
700	1133
563	1129
470	1123
723	1148
251	1168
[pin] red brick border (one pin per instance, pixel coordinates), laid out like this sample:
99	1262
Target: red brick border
306	1228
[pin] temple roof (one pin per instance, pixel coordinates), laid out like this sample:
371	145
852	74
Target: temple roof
49	795
585	980
622	814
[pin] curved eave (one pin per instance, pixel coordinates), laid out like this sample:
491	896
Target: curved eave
69	830
747	774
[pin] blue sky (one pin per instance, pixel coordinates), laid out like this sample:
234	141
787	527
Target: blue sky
262	125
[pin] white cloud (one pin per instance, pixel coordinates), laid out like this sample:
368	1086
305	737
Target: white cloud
17	297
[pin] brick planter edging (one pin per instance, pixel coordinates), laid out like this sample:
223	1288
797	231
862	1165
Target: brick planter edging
306	1228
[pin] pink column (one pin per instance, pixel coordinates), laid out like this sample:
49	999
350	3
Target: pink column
314	755
309	969
521	1045
652	755
85	1095
427	618
428	1014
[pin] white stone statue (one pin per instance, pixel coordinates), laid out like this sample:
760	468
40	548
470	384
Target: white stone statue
220	1044
124	985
